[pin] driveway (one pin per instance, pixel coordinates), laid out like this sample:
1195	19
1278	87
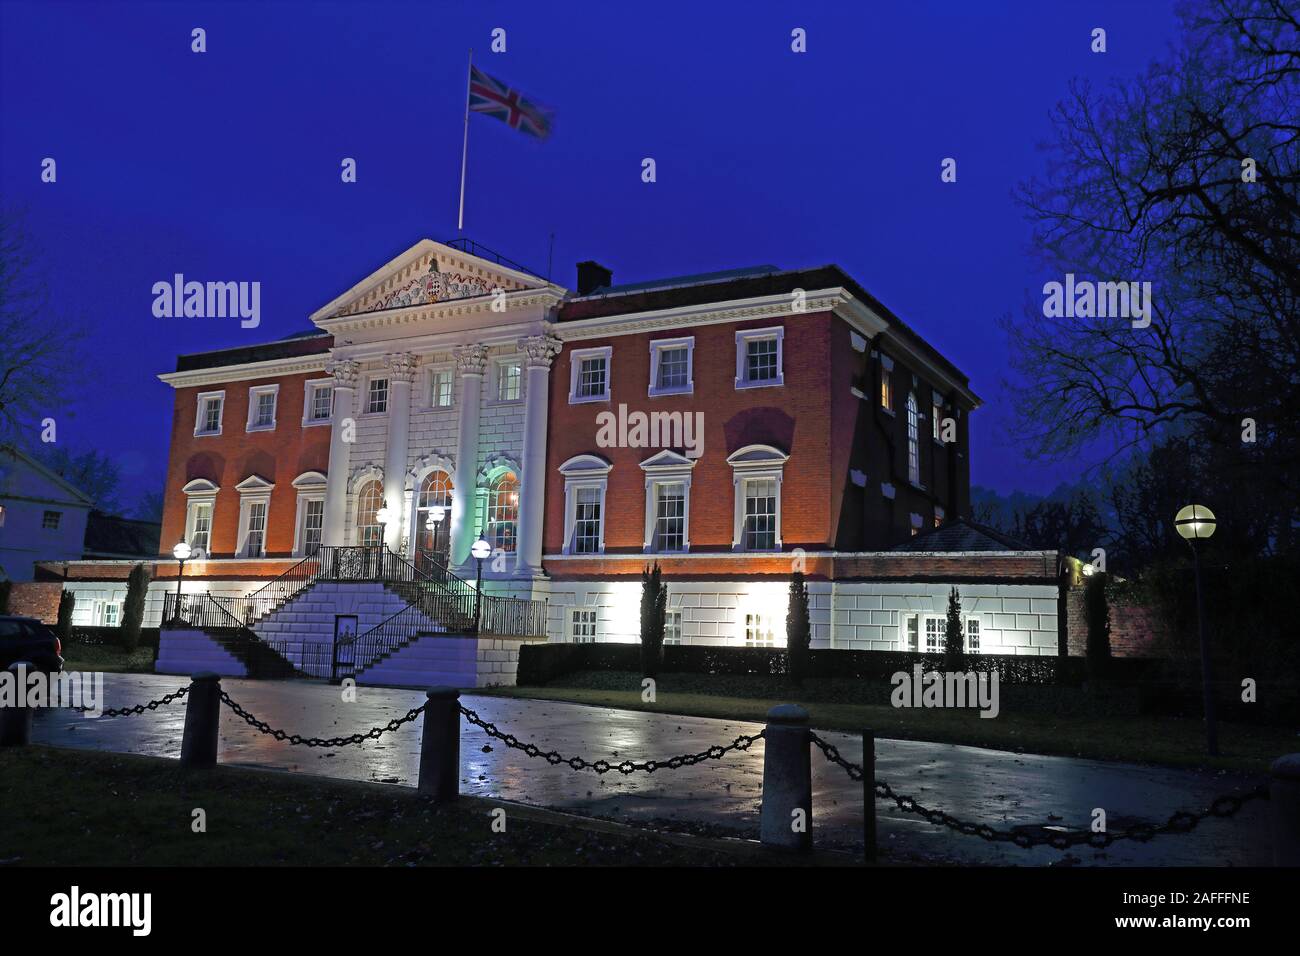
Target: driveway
985	786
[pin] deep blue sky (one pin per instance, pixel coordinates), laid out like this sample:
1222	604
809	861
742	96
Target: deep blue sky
225	165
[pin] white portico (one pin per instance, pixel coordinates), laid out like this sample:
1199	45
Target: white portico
441	365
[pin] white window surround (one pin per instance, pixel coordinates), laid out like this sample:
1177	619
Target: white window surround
253	490
309	401
754	462
431	373
667	468
388	393
255	394
356	484
198	492
582	625
498	364
583	471
657	348
311	487
199	414
576	358
743	338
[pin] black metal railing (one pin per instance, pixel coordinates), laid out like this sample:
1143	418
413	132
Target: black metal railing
201	611
473	248
512	617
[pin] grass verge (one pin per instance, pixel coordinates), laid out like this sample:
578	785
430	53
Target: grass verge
88	808
106	658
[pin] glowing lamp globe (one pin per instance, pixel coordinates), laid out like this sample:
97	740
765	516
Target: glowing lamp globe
1194	522
384	515
181	552
437	513
481	549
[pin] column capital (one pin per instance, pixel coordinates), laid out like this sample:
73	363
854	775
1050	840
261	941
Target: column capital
541	349
471	359
346	372
401	366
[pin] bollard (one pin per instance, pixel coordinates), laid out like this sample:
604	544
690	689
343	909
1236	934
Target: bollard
787	780
16	719
202	720
440	745
1284	798
869	795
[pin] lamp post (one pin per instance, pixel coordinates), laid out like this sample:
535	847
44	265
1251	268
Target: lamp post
1194	523
480	550
383	516
181	552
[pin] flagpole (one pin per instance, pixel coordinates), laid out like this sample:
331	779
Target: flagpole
464	151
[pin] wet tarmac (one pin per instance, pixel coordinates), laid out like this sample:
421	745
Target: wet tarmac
983	786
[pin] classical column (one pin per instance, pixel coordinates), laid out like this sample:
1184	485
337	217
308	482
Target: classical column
471	360
541	351
401	370
345	372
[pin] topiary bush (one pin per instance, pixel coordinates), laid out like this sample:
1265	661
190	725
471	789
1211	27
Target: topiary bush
798	629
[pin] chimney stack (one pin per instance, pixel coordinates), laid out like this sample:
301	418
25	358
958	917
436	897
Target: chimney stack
591	276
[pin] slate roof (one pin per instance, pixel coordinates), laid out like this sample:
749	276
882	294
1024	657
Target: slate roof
962	534
108	536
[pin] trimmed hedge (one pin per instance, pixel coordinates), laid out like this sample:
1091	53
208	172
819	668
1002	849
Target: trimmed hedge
541	663
110	636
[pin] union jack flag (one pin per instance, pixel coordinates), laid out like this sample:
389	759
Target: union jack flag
494	98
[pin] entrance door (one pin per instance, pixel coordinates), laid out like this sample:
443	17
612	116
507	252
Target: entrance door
433	531
346	627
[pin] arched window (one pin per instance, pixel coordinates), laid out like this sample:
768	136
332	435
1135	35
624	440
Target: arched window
913	441
435	491
503	511
369	500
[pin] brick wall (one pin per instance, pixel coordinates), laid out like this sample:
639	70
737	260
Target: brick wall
38	599
1134	628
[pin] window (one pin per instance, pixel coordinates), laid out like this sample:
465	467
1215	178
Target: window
938	516
936	418
758	631
255	533
313	524
503	512
440	388
369	500
934	634
973	635
582	625
758	357
589	375
672	627
671	362
760	514
586	521
200	536
377	396
913	625
435	491
207	420
886	384
261	407
510	380
913	441
50	520
319	405
670	517
112	614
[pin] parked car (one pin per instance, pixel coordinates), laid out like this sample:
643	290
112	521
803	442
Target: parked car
27	639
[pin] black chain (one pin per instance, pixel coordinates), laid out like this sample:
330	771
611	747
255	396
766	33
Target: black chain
373	733
1182	821
602	766
138	708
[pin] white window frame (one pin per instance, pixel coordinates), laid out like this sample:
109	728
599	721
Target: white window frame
255	394
936	412
941	630
199	416
966	634
657	348
666	468
913	440
310	388
253	490
583	471
498	366
572	625
388	393
576	358
46	515
430	375
311	487
759	622
754	463
743	338
887	385
199	492
669	615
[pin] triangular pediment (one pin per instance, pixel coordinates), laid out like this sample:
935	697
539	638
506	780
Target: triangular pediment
429	272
